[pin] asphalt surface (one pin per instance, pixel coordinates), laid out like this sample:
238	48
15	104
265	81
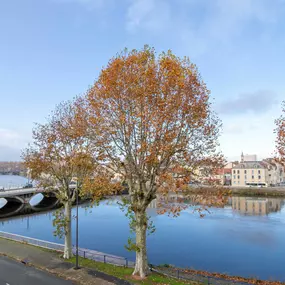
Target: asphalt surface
16	273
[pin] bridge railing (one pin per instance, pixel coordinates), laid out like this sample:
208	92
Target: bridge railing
12	186
9	193
85	253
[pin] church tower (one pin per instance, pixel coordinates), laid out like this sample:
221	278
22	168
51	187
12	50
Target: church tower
242	157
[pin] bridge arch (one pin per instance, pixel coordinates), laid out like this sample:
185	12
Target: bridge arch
43	201
12	206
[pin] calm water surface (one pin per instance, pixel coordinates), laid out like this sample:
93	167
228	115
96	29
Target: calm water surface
246	238
9	181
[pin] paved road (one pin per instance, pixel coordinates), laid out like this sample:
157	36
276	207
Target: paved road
16	273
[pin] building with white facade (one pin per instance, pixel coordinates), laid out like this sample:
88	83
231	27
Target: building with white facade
257	173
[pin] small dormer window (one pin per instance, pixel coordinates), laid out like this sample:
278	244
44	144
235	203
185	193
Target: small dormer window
242	166
255	166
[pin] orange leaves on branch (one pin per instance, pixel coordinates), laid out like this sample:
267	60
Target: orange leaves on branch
154	124
61	149
280	140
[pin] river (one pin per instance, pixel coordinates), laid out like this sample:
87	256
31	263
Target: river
12	181
245	238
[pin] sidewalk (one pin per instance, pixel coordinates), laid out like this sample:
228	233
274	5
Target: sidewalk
50	261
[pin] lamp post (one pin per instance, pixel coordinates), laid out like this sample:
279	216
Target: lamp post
76	265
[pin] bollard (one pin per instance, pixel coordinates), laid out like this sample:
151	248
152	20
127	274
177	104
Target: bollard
126	262
208	280
104	258
84	254
178	273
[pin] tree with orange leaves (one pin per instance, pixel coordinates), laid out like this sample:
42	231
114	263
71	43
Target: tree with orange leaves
60	152
280	141
152	122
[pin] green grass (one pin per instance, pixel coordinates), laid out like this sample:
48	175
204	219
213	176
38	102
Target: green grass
126	273
260	192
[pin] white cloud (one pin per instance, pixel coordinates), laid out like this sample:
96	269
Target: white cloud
11	143
256	102
8	137
152	15
199	25
9	154
235	128
250	134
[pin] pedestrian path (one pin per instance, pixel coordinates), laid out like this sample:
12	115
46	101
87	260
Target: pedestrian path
50	261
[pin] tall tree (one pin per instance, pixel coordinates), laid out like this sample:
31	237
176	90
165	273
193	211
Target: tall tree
152	123
280	131
61	151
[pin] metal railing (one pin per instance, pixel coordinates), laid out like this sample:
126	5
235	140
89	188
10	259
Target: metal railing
85	253
12	186
33	241
121	261
105	258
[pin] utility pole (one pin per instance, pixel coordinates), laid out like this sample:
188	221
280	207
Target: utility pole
76	265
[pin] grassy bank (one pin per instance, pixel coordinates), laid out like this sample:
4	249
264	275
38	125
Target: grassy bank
126	273
249	191
258	192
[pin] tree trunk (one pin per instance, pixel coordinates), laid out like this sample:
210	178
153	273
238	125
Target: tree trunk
67	230
141	267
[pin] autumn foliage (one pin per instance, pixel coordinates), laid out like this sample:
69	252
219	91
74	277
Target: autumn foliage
151	121
280	141
60	152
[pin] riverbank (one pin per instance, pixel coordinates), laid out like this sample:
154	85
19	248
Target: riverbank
259	192
51	262
94	272
270	192
91	272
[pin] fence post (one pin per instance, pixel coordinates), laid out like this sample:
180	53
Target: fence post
104	258
126	262
84	254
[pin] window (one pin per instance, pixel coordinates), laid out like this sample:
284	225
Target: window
238	172
234	177
258	171
245	171
259	177
234	182
238	176
238	182
245	177
234	172
252	171
252	176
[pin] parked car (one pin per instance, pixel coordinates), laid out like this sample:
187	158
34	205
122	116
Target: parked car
28	185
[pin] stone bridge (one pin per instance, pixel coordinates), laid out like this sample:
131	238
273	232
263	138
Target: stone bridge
17	201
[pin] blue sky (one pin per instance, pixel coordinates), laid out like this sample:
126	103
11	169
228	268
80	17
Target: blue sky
52	50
